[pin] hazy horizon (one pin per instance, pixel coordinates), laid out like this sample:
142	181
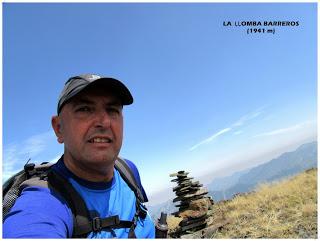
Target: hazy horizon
167	193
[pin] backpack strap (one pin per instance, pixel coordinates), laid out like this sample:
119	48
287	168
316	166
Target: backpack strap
127	174
31	175
83	223
11	192
45	176
77	205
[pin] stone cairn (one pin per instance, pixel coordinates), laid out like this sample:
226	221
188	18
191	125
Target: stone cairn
193	206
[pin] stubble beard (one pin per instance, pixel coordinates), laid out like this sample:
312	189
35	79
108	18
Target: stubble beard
91	167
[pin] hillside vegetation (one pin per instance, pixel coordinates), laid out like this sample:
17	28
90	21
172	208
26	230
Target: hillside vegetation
286	209
287	164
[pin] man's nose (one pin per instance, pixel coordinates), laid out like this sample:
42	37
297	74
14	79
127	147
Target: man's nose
103	119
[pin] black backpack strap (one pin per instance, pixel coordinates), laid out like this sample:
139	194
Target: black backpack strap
11	192
83	224
31	175
44	175
127	174
78	207
97	224
8	184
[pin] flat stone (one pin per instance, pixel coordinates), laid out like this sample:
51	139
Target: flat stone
194	226
187	192
182	174
207	232
179	179
182	205
197	193
181	188
185	182
178	173
190	215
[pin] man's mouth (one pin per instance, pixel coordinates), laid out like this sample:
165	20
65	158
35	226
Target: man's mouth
100	140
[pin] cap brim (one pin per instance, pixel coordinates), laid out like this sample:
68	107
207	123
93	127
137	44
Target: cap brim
115	86
110	84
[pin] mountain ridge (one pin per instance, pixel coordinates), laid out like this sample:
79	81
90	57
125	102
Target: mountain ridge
286	164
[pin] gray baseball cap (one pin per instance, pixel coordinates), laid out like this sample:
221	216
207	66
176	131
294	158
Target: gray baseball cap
78	83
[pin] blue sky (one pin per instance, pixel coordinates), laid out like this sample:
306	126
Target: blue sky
207	98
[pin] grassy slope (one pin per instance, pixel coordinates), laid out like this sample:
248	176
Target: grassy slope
287	209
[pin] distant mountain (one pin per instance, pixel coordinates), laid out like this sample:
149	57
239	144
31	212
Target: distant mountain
287	164
167	207
223	183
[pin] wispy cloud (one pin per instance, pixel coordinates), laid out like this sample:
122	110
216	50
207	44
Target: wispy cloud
248	117
235	125
9	161
238	132
211	138
16	154
285	130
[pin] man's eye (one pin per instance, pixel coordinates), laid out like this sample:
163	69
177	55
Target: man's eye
83	109
113	110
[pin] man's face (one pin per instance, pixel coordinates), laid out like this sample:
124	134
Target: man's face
91	128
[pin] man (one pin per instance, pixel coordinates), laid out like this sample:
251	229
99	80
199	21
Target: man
90	125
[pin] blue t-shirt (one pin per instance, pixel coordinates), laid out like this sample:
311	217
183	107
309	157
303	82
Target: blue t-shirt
41	213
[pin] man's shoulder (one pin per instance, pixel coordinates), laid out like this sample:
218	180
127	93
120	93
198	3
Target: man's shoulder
39	196
33	210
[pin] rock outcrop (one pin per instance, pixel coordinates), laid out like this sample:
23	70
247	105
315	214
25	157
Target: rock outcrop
193	204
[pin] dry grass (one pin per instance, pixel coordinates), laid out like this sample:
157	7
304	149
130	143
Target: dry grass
287	209
173	223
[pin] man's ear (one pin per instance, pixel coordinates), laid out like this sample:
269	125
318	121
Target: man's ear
56	125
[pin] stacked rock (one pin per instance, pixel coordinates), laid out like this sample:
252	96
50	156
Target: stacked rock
193	206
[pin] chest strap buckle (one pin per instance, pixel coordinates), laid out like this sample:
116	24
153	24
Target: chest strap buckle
96	224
